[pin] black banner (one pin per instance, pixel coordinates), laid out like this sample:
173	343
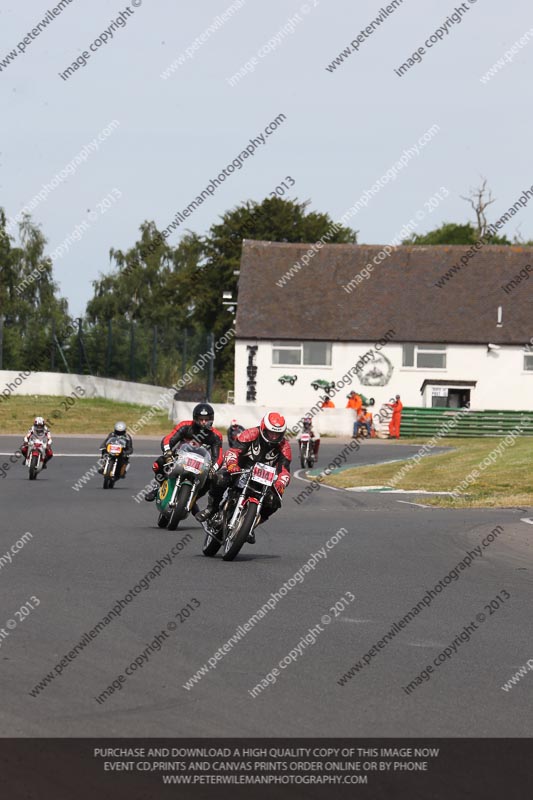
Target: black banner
380	769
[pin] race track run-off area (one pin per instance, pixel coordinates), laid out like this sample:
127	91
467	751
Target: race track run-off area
138	632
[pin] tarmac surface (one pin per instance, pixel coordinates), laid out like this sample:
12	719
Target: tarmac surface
89	548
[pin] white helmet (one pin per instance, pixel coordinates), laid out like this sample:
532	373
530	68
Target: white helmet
38	426
272	427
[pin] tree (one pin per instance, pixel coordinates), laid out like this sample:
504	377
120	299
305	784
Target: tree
453	233
29	302
141	311
178	290
479	199
272	220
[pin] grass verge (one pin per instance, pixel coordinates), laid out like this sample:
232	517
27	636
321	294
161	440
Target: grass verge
86	415
505	483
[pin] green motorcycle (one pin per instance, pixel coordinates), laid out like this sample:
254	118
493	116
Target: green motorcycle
186	474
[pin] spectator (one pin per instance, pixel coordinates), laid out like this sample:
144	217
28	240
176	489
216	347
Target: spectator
355	402
396	419
328	403
364	419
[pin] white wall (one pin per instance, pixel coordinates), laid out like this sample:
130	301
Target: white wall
61	384
331	421
502	382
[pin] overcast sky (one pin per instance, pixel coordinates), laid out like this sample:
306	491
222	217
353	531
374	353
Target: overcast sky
343	130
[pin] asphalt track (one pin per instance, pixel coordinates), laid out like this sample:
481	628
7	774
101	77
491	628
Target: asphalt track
90	547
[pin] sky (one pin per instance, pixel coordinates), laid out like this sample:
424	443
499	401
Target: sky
163	133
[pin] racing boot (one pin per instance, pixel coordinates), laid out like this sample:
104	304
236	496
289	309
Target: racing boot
209	510
152	494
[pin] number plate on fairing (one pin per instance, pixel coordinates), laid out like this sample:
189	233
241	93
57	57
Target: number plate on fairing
193	464
264	474
114	449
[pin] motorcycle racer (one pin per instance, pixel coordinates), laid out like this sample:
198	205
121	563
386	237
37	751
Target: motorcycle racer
265	443
119	430
199	430
233	431
40	430
307	427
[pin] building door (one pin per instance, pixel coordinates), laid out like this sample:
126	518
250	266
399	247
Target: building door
458	398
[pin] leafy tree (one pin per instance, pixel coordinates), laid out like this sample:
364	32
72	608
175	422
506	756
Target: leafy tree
178	290
141	312
29	302
272	220
453	233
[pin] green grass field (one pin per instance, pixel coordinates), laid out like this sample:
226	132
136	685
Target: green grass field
84	416
506	483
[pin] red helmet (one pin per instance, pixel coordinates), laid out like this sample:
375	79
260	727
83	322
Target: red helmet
273	427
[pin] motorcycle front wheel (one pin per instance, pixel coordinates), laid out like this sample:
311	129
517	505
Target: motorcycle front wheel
33	467
235	541
211	546
179	511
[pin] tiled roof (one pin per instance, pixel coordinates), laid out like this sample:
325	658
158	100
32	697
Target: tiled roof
400	294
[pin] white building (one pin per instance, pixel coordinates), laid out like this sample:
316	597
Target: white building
437	336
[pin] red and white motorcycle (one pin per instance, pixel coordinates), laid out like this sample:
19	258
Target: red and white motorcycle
307	450
36	455
239	512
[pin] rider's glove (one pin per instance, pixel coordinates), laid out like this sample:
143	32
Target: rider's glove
232	467
280	487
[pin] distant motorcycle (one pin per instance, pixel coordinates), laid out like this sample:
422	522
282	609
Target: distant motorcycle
114	466
233	432
239	511
187	472
307	450
36	455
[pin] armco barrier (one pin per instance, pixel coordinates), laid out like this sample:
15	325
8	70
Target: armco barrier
427	422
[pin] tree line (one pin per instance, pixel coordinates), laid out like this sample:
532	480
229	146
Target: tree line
152	313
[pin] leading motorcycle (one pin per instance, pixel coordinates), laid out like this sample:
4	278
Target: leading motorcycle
187	472
239	512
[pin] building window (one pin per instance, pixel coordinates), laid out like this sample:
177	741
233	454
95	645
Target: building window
312	354
317	354
528	362
408	359
424	356
286	353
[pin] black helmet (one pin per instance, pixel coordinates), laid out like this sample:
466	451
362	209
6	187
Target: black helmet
203	415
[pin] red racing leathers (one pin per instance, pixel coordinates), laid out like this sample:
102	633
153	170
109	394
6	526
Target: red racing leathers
189	431
46	435
250	448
